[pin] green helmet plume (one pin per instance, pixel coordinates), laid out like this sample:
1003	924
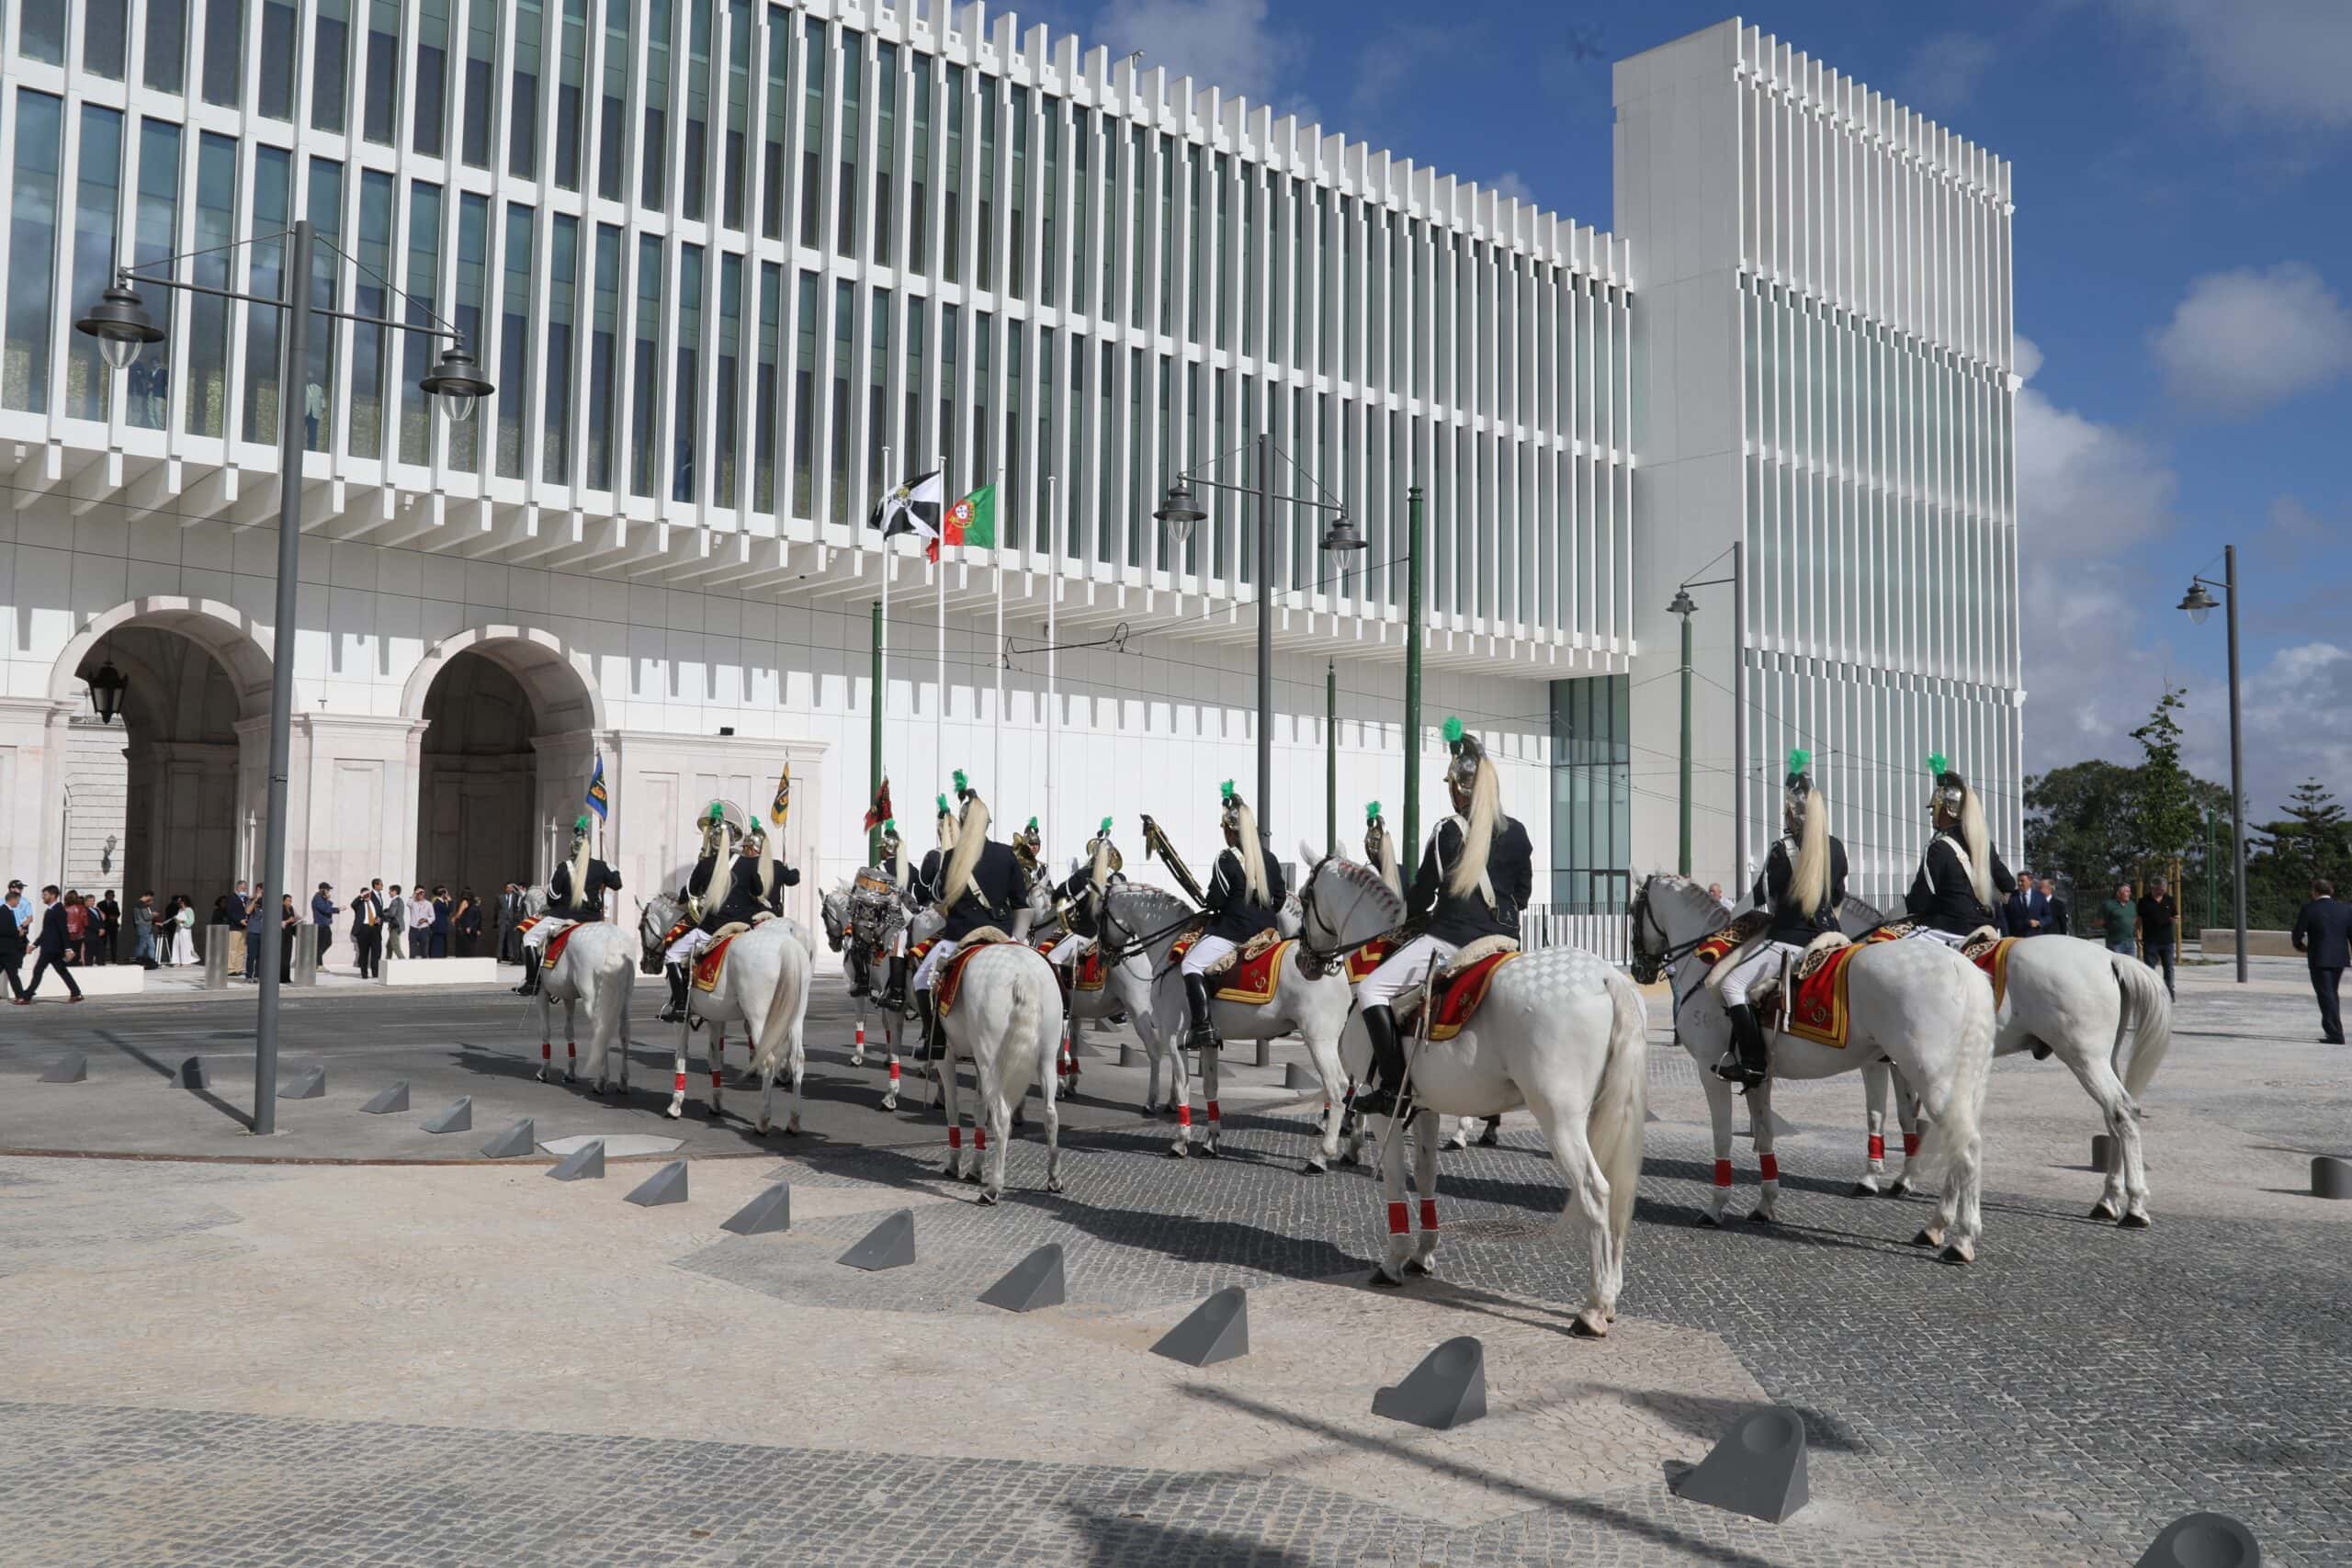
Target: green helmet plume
1033	824
1453	731
1225	790
1104	831
889	826
582	824
943	804
1938	765
1799	759
715	811
963	784
1372	811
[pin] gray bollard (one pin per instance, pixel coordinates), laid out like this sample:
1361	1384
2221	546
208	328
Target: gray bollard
517	1140
458	1117
1126	1054
306	956
585	1162
771	1211
2102	1150
1217	1330
890	1245
1447	1390
667	1185
1034	1282
1295	1075
1758	1467
2203	1540
2330	1178
309	1084
216	962
1265	1052
191	1075
72	1067
388	1100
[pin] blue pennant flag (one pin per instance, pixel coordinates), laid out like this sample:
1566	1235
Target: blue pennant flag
598	801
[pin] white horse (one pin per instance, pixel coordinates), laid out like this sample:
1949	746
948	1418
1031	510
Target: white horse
1918	1004
592	976
764	986
1125	989
1564	1034
1339	911
834	908
1006	1017
2104	1014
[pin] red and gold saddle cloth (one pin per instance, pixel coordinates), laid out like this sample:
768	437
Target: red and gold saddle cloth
556	945
1256	970
1368	957
950	979
1993	957
709	961
678	928
1820	1012
1719	946
1458	995
1086	975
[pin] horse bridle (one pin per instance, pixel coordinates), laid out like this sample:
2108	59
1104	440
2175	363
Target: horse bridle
1115	949
1320	961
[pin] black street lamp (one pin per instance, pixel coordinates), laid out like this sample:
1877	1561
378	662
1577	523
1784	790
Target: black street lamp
122	326
1686	606
2199	605
107	688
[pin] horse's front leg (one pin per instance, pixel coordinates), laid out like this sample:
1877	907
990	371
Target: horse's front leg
1719	1095
678	1078
571	1038
1425	1141
1875	1077
1391	1268
1179	1088
943	1062
1759	1119
1907	1113
717	1068
995	1116
1334	1079
857	1050
547	1033
890	1048
1210	1074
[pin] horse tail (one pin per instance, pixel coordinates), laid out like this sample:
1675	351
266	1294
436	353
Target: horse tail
2144	1033
1027	1016
1954	1134
786	1005
1619	1104
611	975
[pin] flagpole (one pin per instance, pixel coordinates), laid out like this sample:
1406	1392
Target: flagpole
939	714
1053	596
881	673
996	773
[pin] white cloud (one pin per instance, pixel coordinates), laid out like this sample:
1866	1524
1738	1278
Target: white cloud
1509	185
2241	342
2283	62
1230	44
1945	69
2294	705
2084	490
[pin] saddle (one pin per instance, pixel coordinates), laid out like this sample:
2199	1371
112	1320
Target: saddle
1247	975
1452	997
556	945
950	979
712	959
980	936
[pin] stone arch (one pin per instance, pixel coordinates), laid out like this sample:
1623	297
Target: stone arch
559	680
237	643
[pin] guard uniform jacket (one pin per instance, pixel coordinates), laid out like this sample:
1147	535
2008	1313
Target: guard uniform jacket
703	882
1941	893
1464	918
1233	915
924	886
992	897
743	903
1789	923
561	904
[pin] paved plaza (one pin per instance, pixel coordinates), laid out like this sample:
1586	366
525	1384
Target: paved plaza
357	1344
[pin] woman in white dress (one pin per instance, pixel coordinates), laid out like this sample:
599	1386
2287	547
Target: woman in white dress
183	930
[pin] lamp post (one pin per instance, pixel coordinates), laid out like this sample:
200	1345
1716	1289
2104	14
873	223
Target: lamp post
1179	510
1685	606
122	326
2199	605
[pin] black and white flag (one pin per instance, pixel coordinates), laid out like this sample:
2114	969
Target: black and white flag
913	507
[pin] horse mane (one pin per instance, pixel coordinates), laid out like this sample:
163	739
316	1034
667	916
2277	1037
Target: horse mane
1691	896
1156	903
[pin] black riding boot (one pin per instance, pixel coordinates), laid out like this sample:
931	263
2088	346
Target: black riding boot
927	1008
861	971
1747	1063
894	992
1196	999
1378	1097
530	973
676	1011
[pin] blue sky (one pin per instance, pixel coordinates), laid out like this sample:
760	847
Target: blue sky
2184	277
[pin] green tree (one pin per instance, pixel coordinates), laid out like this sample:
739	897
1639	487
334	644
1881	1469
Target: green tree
2078	825
2284	857
2166	814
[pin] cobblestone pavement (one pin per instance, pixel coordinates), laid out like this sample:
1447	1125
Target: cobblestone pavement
229	1364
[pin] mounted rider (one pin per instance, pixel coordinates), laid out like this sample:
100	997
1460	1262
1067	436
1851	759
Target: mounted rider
978	888
1959	871
1380	848
754	881
891	863
1245	898
1802	885
1477	874
575	894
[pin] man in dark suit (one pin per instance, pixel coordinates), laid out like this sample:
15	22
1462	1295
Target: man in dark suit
2056	922
12	941
2323	936
52	946
2027	912
368	928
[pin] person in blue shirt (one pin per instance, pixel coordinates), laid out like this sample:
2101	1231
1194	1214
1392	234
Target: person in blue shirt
323	910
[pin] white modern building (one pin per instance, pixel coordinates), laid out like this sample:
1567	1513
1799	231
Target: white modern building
736	268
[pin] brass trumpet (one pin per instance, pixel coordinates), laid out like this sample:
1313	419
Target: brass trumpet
1156	842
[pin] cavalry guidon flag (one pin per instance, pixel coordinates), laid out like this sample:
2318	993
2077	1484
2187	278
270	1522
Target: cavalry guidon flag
912	508
781	806
598	801
880	812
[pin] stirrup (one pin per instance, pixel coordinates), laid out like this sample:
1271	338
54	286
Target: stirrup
1378	1099
1732	1070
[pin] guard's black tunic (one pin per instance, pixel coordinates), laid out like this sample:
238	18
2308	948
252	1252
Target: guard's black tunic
1942	895
744	902
1233	915
601	878
925	885
1510	871
1789	923
992	897
703	881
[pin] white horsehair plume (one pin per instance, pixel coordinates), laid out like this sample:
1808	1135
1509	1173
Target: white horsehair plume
1253	858
971	837
1809	878
1477	842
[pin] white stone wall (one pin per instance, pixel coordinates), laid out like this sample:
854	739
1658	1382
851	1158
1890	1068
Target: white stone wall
96	817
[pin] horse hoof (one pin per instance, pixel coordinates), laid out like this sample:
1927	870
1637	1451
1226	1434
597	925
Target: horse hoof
2103	1210
949	1171
1490	1139
2132	1222
1863	1190
891	1103
988	1200
973	1179
539	1077
1587	1325
1180	1151
1707	1222
1386	1280
1419	1269
1900	1190
675	1113
1954	1255
1208	1151
1925	1238
1314	1168
1760	1218
1056	1184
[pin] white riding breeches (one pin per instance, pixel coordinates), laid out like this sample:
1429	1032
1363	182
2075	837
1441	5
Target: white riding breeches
537	938
928	970
1764	963
1405	967
1207	951
1948	939
1069	949
683	951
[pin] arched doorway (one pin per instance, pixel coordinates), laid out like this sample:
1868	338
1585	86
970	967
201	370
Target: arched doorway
509	729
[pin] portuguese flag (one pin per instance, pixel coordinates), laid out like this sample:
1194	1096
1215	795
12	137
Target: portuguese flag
971	521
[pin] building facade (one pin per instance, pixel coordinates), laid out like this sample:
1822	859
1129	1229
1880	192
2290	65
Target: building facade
735	268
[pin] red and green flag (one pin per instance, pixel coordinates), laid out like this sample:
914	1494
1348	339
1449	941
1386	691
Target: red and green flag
971	521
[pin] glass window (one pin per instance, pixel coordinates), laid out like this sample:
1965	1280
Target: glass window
697	148
952	236
812	133
1014	463
738	95
1020	247
1078	501
853	81
910	455
766	412
804	400
329	62
148	384
845	319
326	273
522	91
279	47
570	95
481	80
604	357
987	246
563	311
431	107
1107	467
951	321
1224	255
265	275
886	147
474	273
421	284
1140	203
1167	280
1592	790
224	66
919	193
976	465
1196	240
98	201
655	147
684	480
877	389
645	368
1251	198
776	197
370	297
1134	455
161	54
380	90
207	332
103	41
41	32
725	438
611	118
1081	269
1049	265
